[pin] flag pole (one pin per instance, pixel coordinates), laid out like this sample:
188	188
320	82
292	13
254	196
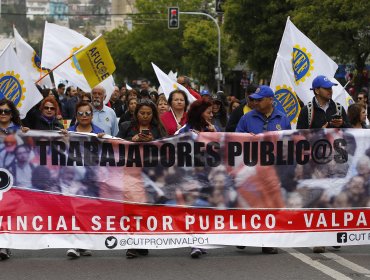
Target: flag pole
51	70
173	114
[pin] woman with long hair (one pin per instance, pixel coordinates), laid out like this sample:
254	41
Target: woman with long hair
145	126
177	117
129	114
219	113
200	117
357	115
10	121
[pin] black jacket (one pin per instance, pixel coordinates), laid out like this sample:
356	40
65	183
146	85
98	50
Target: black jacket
234	118
42	124
320	117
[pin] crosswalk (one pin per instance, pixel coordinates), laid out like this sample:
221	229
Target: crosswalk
335	274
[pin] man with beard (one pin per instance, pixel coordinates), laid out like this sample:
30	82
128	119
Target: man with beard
322	111
103	116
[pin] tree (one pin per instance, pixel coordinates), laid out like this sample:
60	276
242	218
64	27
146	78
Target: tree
340	27
201	45
150	40
255	29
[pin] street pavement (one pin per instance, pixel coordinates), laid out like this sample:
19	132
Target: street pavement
229	263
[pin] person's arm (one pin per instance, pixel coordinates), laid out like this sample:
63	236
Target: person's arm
114	124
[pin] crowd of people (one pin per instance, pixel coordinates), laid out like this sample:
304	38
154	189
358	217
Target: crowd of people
143	115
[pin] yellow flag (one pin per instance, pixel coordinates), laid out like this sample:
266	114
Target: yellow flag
95	61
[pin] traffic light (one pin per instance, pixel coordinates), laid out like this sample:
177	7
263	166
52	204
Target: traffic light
173	18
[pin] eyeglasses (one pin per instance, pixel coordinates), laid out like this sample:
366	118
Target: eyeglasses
87	114
5	111
47	108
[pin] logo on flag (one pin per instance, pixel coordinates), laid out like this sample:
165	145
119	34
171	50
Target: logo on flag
95	61
74	62
11	87
286	101
349	100
302	64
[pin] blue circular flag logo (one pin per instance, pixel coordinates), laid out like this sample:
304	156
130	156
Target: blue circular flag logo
302	64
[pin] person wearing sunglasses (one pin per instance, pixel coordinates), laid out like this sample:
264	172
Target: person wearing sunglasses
10	121
47	120
84	116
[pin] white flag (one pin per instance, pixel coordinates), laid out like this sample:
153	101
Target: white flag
285	98
304	61
15	82
340	95
60	43
168	85
30	60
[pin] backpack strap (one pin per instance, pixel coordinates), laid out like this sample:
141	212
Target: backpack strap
310	113
339	108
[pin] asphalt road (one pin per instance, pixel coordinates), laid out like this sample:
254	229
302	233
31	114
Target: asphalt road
351	262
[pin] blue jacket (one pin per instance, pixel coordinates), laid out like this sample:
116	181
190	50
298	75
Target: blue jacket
95	129
255	122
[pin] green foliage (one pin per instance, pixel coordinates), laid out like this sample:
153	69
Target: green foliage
255	29
340	27
200	43
190	50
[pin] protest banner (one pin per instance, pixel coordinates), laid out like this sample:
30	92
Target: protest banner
277	189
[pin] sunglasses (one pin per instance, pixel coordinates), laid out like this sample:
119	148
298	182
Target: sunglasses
47	108
87	114
5	111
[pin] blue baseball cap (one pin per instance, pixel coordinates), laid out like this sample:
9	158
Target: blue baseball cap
322	81
262	92
204	92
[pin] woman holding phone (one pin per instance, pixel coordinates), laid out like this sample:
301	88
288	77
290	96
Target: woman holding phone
145	126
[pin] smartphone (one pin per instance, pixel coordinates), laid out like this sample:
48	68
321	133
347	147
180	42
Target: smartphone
336	116
145	131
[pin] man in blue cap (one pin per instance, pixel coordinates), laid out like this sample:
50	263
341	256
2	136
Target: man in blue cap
322	111
264	117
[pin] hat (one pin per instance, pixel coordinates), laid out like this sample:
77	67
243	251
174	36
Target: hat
204	92
216	97
322	82
261	92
